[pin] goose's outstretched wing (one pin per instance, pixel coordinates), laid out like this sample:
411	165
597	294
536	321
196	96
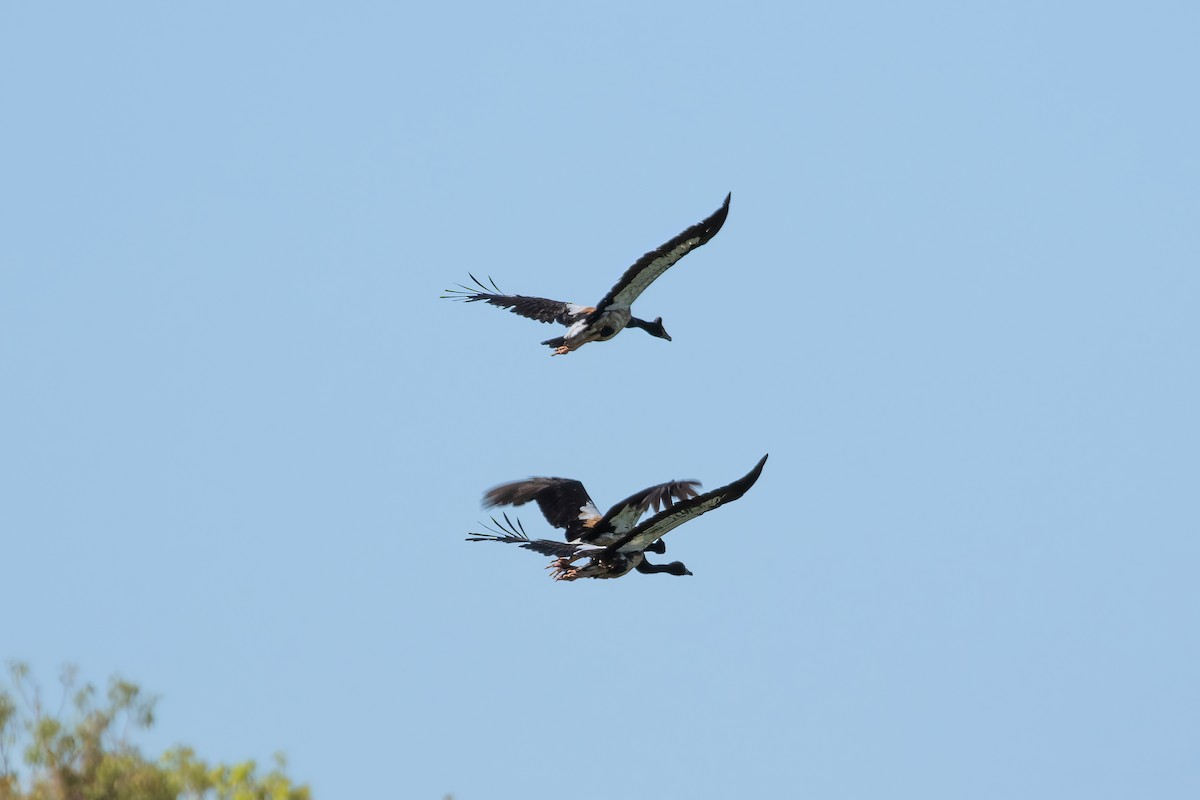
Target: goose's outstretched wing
538	308
656	262
661	523
625	514
511	533
563	501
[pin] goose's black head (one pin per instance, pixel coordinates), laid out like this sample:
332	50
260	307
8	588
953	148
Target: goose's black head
674	568
653	328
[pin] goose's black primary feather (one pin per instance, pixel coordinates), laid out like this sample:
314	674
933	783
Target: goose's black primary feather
539	308
510	533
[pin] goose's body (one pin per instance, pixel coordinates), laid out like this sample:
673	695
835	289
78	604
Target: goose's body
614	312
622	548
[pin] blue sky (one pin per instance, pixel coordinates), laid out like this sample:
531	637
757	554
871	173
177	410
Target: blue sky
241	438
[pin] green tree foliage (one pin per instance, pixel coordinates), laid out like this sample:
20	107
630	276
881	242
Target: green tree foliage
82	751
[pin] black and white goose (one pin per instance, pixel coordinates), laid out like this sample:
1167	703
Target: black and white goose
565	504
626	551
612	314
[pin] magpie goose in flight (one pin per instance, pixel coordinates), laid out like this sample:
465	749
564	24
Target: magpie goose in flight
616	553
608	317
566	504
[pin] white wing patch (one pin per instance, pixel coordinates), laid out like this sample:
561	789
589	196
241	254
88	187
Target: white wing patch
577	327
